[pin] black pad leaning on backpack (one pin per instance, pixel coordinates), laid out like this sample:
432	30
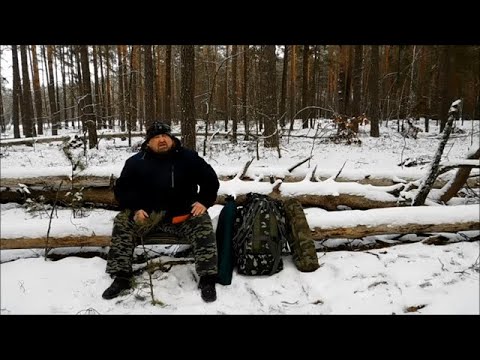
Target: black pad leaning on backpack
260	235
224	235
300	239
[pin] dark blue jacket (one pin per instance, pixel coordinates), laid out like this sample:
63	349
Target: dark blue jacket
155	182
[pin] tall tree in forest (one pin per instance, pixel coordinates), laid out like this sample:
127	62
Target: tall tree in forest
2	114
101	84
57	87
187	71
283	96
159	79
373	88
269	83
305	113
149	85
72	104
122	102
54	113
88	116
37	91
17	90
64	86
476	113
109	99
420	108
140	89
225	97
234	93
348	79
27	103
245	89
315	83
357	80
293	77
132	90
342	107
97	102
446	82
80	90
168	84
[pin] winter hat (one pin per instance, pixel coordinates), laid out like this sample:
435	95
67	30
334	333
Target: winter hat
158	128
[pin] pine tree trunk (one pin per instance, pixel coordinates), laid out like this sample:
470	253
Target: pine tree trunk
373	88
27	104
234	92
187	59
149	86
64	87
245	90
305	113
357	80
293	77
51	91
88	116
97	103
37	91
168	85
122	101
269	59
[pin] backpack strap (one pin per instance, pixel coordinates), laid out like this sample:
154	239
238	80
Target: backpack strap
248	213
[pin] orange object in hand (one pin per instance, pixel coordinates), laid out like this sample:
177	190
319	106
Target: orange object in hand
179	219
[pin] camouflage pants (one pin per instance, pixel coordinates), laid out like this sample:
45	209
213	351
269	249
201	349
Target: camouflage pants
126	235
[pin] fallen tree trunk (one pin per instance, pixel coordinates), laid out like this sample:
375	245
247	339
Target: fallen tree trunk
354	195
65	241
427	182
341	224
361	231
457	182
90	180
317	234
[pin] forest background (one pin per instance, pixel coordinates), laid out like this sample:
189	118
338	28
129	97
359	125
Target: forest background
125	87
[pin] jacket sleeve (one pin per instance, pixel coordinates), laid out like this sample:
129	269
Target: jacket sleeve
208	182
126	187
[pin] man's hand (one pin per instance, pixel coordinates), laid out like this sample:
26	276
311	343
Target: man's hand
140	216
198	209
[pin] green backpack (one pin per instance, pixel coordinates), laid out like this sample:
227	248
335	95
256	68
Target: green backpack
260	235
300	238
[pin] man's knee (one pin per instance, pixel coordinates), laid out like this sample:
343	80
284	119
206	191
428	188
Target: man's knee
122	217
122	220
200	223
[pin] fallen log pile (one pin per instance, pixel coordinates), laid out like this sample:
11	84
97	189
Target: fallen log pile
352	195
327	193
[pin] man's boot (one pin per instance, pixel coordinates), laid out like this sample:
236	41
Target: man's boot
207	286
119	284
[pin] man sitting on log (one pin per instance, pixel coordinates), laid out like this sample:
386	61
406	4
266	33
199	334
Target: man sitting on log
158	192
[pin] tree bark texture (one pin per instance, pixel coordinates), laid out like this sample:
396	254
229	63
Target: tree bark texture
427	183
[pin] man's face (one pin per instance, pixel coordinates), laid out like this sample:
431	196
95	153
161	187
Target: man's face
160	143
